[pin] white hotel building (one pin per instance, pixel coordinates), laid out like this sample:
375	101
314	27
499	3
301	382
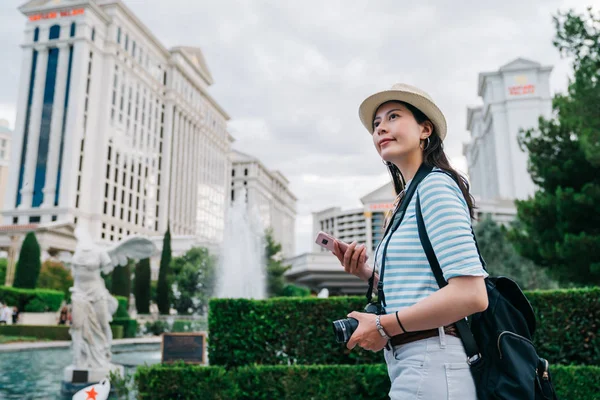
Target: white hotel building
514	97
113	130
267	193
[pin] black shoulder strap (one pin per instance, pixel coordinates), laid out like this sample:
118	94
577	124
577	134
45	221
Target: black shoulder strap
396	219
464	331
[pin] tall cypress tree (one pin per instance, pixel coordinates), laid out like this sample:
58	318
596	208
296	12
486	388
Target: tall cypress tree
29	264
162	290
121	281
142	286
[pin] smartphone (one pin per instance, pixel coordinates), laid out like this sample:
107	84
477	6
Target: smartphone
325	240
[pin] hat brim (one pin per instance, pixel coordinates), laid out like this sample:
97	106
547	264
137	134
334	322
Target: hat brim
369	106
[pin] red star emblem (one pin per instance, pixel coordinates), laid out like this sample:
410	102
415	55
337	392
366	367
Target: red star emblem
91	394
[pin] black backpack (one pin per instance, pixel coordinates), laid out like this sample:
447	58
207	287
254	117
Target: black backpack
498	342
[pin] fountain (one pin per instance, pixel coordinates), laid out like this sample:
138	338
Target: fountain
241	271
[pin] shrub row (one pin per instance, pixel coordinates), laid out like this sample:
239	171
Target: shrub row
299	330
50	332
130	326
32	300
336	382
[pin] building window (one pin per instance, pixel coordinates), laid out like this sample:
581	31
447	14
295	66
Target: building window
93	34
126	42
36	34
119	35
54	32
233	172
73	28
246	172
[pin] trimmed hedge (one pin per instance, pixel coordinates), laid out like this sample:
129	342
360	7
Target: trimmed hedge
180	381
122	308
51	332
298	331
130	326
32	300
568	325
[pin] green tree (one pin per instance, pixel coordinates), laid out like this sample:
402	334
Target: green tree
121	280
276	281
559	228
54	275
503	260
29	264
142	286
193	278
162	289
3	267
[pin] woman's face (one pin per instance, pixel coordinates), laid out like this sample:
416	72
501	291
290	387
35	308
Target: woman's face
396	132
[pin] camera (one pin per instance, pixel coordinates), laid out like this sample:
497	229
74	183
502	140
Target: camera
344	328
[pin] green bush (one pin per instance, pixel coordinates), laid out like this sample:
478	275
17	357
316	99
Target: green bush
295	291
122	309
129	326
282	330
117	331
298	331
51	332
32	300
568	331
335	382
157	327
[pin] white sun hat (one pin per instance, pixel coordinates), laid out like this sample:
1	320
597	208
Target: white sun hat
407	94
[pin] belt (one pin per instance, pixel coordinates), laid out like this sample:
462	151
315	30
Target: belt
409	337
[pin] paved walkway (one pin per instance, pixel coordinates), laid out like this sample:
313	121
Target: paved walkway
24	346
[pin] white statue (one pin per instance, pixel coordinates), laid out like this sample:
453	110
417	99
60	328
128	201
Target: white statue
93	306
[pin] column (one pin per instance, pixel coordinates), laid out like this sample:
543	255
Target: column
56	128
17	142
34	127
174	187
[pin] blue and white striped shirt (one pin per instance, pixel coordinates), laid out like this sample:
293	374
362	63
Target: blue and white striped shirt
408	277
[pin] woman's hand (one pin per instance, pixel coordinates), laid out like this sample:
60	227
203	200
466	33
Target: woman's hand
366	334
353	260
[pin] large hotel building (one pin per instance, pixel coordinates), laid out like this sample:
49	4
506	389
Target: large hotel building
115	131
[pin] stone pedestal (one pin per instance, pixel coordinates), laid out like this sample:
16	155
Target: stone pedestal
73	378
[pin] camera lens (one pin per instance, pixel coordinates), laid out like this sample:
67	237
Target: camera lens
324	241
344	328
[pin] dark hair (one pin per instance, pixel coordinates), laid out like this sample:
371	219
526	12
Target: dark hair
432	155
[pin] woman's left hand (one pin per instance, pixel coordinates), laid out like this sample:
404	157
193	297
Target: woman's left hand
366	334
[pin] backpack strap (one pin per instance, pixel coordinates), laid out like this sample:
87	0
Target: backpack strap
471	348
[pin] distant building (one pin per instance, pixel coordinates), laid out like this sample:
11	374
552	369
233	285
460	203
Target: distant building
320	269
514	97
364	225
268	193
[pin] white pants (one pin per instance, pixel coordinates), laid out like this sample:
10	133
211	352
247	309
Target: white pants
433	368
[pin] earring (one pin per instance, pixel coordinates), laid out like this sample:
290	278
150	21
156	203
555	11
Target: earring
428	142
386	163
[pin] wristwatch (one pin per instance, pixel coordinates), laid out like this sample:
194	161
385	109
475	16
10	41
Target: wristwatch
380	329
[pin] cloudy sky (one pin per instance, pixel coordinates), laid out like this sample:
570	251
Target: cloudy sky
291	74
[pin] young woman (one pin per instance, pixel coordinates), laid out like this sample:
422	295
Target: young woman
425	357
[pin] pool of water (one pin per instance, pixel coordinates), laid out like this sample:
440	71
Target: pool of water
37	374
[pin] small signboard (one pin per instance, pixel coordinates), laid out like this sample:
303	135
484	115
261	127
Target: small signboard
187	347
